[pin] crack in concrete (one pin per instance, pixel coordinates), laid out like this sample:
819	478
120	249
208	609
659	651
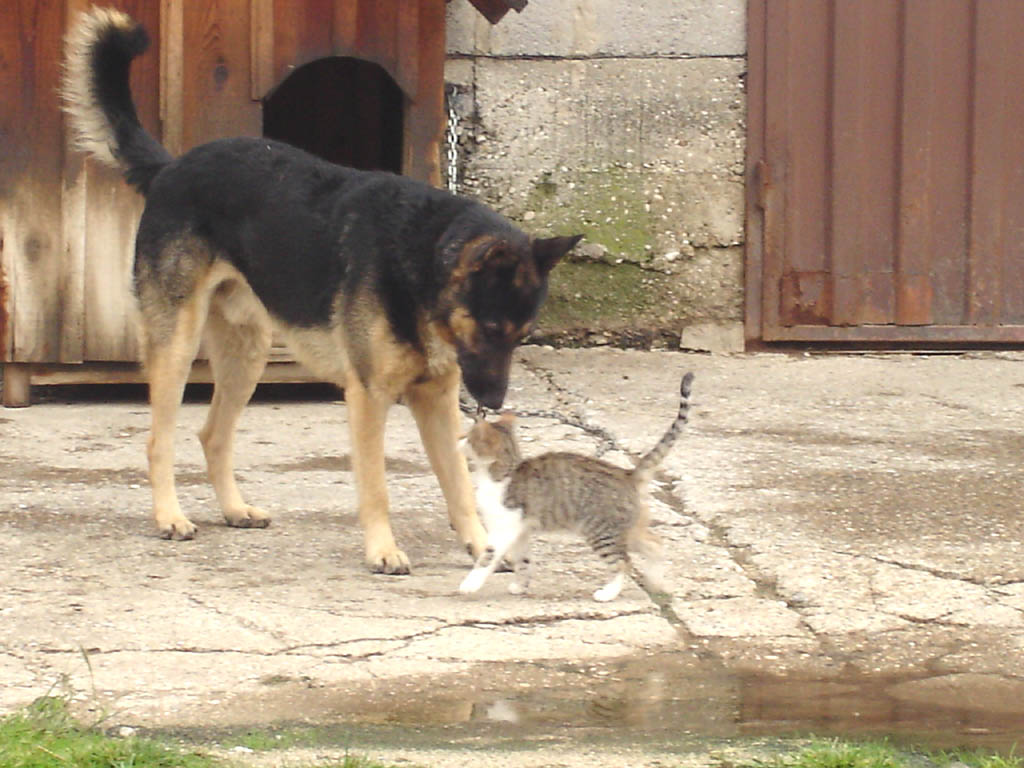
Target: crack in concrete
937	572
873	594
408	640
764	587
1000	586
937	621
240	620
404	641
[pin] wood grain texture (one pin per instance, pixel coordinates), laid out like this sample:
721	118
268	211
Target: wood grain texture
217	85
31	162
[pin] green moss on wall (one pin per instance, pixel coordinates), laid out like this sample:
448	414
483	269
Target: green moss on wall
609	208
596	295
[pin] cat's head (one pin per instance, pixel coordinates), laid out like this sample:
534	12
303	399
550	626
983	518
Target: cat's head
488	441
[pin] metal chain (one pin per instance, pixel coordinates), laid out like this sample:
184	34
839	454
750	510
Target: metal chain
608	441
452	140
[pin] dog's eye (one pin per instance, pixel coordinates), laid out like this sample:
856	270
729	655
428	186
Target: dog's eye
491	328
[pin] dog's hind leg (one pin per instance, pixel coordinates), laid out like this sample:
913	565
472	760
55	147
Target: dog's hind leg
367	414
435	406
238	355
168	356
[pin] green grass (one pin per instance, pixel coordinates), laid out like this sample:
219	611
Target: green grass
981	759
44	735
264	741
880	754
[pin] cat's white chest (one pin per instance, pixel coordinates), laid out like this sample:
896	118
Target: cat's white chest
501	522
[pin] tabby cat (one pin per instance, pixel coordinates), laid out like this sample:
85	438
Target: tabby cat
563	491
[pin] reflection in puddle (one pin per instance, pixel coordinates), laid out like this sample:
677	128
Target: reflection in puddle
951	709
655	699
667	699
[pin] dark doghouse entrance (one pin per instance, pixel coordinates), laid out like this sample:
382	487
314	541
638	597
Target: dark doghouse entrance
345	110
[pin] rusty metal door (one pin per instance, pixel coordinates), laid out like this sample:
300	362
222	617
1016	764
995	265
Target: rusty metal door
886	171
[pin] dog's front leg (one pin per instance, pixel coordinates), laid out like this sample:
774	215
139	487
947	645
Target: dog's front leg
367	415
435	406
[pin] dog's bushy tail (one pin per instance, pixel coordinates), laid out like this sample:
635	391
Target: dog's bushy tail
645	467
97	98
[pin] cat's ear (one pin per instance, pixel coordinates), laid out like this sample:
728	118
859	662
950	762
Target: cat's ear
507	418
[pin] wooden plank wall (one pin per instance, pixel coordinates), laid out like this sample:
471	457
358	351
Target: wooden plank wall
216	89
31	158
111	216
66	224
424	125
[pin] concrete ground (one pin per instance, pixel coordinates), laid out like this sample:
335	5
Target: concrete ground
843	533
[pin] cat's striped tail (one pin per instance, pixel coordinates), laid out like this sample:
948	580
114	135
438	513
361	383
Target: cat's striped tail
645	467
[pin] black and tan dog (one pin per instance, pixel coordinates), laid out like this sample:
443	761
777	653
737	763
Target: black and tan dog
382	285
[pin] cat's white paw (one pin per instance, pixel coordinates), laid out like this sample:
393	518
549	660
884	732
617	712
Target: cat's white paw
610	590
515	588
473	581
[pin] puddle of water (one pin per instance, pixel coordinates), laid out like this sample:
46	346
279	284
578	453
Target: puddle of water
672	700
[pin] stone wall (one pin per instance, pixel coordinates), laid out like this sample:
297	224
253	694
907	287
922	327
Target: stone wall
623	121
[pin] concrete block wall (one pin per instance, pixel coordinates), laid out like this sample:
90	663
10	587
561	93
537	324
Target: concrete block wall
623	121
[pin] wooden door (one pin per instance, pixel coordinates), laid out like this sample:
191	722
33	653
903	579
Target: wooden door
885	180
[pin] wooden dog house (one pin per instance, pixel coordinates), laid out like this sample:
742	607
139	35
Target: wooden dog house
359	82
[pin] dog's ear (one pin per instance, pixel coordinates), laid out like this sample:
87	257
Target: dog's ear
547	252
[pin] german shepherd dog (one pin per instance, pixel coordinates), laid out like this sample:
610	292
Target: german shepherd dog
382	285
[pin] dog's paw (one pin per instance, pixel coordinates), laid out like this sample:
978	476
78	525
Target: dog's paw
247	517
475	550
177	529
473	581
476	544
393	562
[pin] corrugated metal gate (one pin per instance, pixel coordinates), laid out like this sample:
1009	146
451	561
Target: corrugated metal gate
886	171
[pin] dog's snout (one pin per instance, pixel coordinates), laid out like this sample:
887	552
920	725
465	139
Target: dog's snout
493	400
486	378
488	392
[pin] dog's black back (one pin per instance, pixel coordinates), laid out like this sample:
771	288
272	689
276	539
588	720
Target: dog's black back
331	229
